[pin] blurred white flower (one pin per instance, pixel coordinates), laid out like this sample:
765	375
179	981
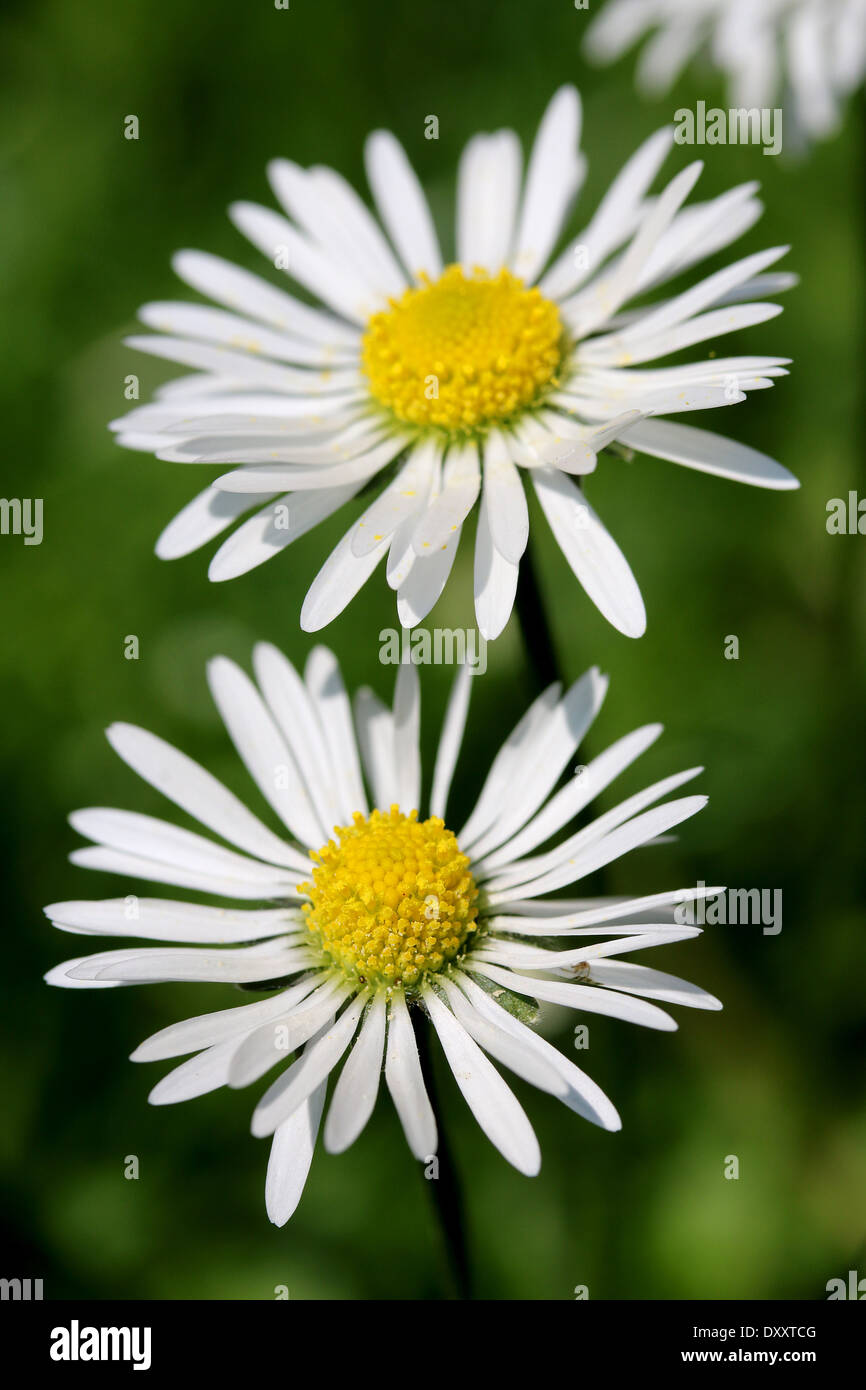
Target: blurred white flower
807	55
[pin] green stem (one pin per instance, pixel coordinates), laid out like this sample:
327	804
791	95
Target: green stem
534	625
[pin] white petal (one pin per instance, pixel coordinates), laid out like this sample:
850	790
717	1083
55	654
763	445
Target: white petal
332	214
356	1090
198	877
291	706
323	275
275	527
206	516
160	920
656	821
189	786
581	1094
302	1078
278	1038
461	482
493	1104
520	955
239	289
328	694
614	219
708	453
401	553
604	296
209	325
246	368
701	296
375	725
495	580
205	1072
591	551
421	588
291	1156
159	840
502	1045
614	349
508	513
271	477
206	1030
277	454
337	582
401	204
515	751
589	780
488	185
553	176
406	1083
450	740
595	917
399	501
407	732
567	725
652	984
61	976
264	751
573	996
154	965
522	871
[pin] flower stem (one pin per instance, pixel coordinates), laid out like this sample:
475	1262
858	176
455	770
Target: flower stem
445	1188
534	625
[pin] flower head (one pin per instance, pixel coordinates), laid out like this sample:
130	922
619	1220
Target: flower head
449	381
369	913
809	53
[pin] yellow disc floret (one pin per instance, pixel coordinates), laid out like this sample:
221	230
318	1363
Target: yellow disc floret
463	351
393	900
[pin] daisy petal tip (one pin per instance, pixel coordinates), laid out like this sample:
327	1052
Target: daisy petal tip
57	975
634	626
308	622
334	1143
157	1096
218	571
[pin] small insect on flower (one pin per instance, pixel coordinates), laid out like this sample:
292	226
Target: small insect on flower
339	933
460	374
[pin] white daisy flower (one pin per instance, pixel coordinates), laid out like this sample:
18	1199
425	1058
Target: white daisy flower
453	376
809	54
371	911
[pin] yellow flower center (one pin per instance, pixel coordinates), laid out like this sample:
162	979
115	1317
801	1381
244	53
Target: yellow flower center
464	351
393	900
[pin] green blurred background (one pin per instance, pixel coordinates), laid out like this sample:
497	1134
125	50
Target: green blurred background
89	223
